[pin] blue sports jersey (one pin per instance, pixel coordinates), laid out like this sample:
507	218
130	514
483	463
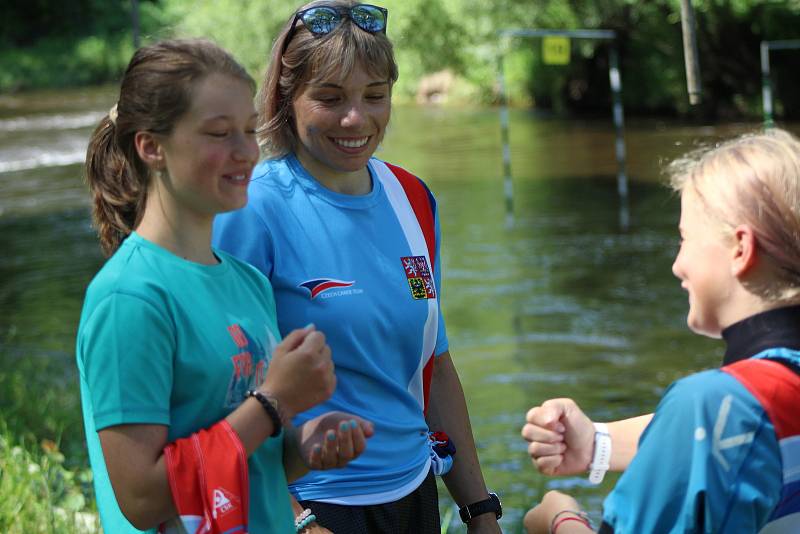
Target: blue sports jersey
353	266
712	460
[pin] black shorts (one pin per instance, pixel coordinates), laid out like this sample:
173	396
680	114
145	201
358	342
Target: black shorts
416	513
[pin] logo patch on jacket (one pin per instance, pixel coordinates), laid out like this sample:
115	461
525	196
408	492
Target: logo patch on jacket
420	280
319	286
224	502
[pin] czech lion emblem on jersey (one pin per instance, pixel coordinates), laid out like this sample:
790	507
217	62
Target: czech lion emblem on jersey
420	280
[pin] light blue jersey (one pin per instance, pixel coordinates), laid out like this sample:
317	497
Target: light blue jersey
720	455
353	266
165	341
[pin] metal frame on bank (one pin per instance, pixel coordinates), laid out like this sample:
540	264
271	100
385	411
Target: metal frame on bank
616	91
766	85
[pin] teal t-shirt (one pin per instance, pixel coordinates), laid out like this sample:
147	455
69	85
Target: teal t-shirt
171	342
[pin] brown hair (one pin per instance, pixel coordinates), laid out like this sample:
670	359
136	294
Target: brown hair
752	179
310	58
155	92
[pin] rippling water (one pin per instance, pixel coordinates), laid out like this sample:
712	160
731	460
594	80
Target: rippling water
565	303
21	150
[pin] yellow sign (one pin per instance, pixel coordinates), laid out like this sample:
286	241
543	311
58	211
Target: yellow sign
555	50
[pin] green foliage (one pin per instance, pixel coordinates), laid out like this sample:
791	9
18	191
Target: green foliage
457	35
44	476
652	62
35	407
60	44
40	494
25	23
427	37
424	32
54	63
246	28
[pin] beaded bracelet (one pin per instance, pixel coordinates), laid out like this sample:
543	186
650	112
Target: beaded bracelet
581	517
303	523
272	412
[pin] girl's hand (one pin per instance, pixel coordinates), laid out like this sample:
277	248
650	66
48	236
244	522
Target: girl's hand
300	374
560	436
333	439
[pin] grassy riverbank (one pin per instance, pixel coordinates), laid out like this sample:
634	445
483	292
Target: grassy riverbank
40	493
45	483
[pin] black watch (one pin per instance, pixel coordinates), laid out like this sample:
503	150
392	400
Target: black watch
492	504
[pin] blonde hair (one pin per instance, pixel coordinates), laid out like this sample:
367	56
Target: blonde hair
753	179
308	58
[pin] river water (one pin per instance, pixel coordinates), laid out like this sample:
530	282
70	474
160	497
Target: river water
565	303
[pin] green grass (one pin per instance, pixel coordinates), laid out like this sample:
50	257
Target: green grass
45	481
40	494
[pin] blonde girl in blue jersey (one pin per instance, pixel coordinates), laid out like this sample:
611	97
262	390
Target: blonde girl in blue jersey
720	452
177	339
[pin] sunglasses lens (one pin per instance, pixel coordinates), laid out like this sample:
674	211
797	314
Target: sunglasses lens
321	20
368	18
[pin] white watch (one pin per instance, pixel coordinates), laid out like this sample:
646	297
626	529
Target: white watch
601	459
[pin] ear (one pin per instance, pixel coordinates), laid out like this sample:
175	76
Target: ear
149	149
744	250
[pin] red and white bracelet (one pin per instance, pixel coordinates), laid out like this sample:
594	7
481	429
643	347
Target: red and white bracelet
580	517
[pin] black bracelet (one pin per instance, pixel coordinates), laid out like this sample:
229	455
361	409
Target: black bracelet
272	412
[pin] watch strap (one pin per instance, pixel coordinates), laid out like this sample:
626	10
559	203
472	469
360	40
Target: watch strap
492	504
601	459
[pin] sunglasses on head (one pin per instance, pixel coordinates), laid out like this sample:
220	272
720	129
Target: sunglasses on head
321	20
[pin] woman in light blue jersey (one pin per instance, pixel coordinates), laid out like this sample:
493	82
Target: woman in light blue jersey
351	243
720	453
185	386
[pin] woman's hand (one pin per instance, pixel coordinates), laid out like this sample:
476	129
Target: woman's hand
539	518
332	439
561	437
300	374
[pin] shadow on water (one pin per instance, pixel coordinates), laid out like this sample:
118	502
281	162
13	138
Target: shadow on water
563	304
48	259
